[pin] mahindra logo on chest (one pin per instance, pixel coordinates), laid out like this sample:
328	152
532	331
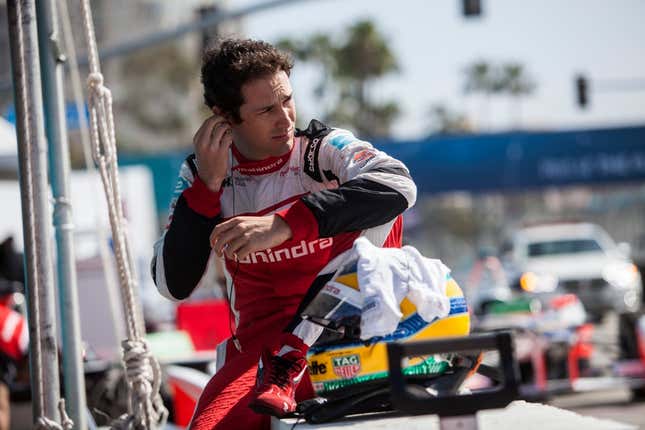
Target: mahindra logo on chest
346	366
288	253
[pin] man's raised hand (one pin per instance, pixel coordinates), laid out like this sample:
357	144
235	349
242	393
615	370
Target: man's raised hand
212	142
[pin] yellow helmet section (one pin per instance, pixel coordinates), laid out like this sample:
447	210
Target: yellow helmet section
334	366
349	279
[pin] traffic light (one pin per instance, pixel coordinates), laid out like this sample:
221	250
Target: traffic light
582	91
471	8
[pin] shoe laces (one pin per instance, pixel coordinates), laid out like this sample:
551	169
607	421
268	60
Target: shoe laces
280	369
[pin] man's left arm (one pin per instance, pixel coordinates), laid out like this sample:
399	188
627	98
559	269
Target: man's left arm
373	188
367	188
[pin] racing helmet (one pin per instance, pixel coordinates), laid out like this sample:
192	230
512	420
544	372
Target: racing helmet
340	360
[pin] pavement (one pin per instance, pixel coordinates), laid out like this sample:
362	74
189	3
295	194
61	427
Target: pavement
607	404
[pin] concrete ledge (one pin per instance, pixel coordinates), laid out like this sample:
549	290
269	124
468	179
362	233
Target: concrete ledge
518	415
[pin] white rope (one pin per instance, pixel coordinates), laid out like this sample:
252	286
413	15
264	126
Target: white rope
44	423
142	370
104	154
138	363
101	218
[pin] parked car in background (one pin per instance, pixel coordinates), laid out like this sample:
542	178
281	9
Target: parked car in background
486	284
579	258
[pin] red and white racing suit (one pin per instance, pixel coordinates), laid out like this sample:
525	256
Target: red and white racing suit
14	334
330	188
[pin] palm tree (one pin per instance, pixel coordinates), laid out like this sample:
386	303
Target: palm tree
444	120
491	79
516	84
481	79
319	50
349	68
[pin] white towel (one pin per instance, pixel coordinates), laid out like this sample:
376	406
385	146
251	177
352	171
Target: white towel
387	275
427	285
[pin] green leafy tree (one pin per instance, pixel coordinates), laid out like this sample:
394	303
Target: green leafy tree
159	101
349	68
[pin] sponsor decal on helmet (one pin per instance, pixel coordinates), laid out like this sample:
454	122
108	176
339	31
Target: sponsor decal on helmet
334	291
346	366
316	368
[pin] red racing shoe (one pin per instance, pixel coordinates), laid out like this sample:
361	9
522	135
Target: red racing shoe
278	376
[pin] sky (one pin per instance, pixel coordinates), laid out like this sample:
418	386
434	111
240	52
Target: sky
433	42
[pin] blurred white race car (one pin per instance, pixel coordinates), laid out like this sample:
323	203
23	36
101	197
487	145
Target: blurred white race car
578	258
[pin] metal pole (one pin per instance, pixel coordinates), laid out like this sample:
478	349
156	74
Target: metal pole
32	156
163	36
51	62
207	21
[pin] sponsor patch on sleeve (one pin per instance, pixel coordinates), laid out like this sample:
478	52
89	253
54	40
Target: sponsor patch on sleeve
340	141
362	157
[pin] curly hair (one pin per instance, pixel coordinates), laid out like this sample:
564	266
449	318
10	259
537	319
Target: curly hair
231	63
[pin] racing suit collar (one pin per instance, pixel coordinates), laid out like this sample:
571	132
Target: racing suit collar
259	167
314	128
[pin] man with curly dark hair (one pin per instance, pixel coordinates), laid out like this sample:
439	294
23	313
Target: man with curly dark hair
281	206
226	69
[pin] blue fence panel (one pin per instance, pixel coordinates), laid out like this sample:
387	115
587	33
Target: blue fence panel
504	162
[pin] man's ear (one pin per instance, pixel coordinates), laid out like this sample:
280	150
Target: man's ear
219	112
